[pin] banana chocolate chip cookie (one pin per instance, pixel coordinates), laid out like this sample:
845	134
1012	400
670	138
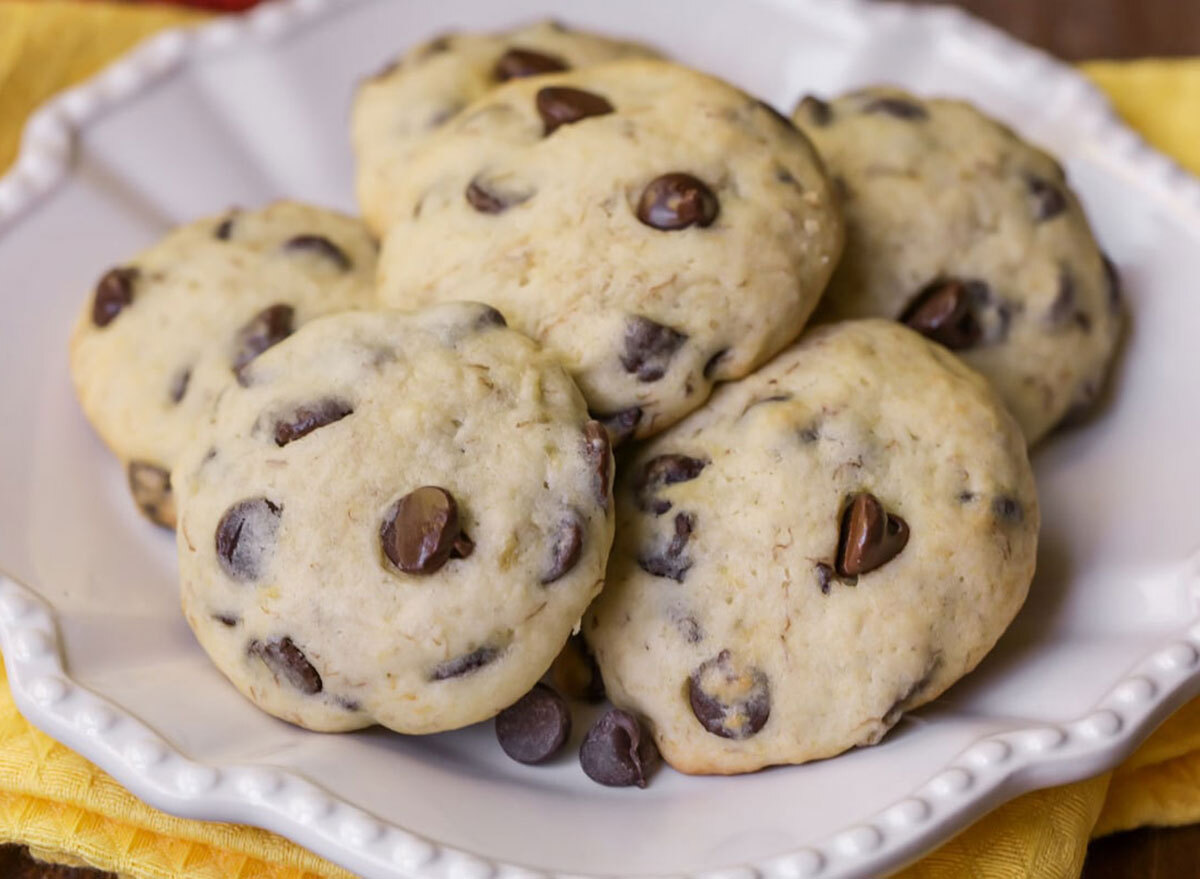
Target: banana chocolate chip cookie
827	544
972	237
396	519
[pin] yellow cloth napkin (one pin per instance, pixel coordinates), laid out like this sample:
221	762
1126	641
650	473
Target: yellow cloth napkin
66	810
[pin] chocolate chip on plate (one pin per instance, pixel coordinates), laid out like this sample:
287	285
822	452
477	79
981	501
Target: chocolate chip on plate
649	347
575	672
288	661
944	312
150	486
113	293
320	246
565	549
870	536
535	728
421	531
562	105
304	419
269	327
245	537
676	201
598	453
617	751
519	63
663	470
465	664
729	699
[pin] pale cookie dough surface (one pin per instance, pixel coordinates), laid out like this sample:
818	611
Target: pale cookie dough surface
727	620
395	110
286	571
934	191
681	239
159	338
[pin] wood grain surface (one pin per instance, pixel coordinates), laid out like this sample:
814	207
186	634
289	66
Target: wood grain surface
1071	29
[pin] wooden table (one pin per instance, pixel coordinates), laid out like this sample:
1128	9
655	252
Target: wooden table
1071	29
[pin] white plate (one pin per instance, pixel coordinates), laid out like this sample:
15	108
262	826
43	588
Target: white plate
242	111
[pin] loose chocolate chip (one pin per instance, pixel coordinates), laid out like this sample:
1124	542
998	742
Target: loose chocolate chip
944	312
270	326
824	575
897	107
322	247
597	451
621	425
1112	279
150	486
819	112
113	293
536	727
870	536
575	673
710	366
649	347
224	229
1008	509
288	661
617	752
303	420
226	619
519	63
671	562
676	201
179	384
465	664
421	531
729	700
1047	200
488	200
245	537
566	549
561	105
664	470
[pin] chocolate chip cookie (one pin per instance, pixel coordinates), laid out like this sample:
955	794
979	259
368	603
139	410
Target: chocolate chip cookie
416	94
658	229
827	544
958	228
396	519
160	336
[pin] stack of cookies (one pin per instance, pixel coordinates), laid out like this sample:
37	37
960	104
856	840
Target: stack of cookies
821	346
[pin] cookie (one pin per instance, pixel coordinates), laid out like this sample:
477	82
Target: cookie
415	95
399	519
162	335
657	228
829	543
958	228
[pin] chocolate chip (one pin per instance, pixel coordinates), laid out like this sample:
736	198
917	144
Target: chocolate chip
489	317
322	247
897	107
566	549
179	384
288	661
561	105
519	63
224	229
489	200
438	45
710	366
824	575
1112	280
809	434
617	752
818	112
965	497
245	537
303	420
676	201
113	293
1064	310
1046	199
621	425
575	672
598	453
909	695
690	628
776	115
671	562
421	531
649	347
270	326
729	700
870	536
465	664
348	703
664	470
150	486
945	313
1008	509
536	727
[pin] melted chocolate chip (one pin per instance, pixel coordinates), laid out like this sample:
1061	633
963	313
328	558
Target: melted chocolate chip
562	105
710	366
269	327
303	420
621	425
671	562
224	230
421	531
566	549
489	200
676	201
245	537
819	112
649	347
287	661
113	293
150	486
575	672
617	752
729	700
322	247
465	664
664	470
898	108
870	536
944	312
536	727
519	63
1047	200
179	384
598	453
1008	509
